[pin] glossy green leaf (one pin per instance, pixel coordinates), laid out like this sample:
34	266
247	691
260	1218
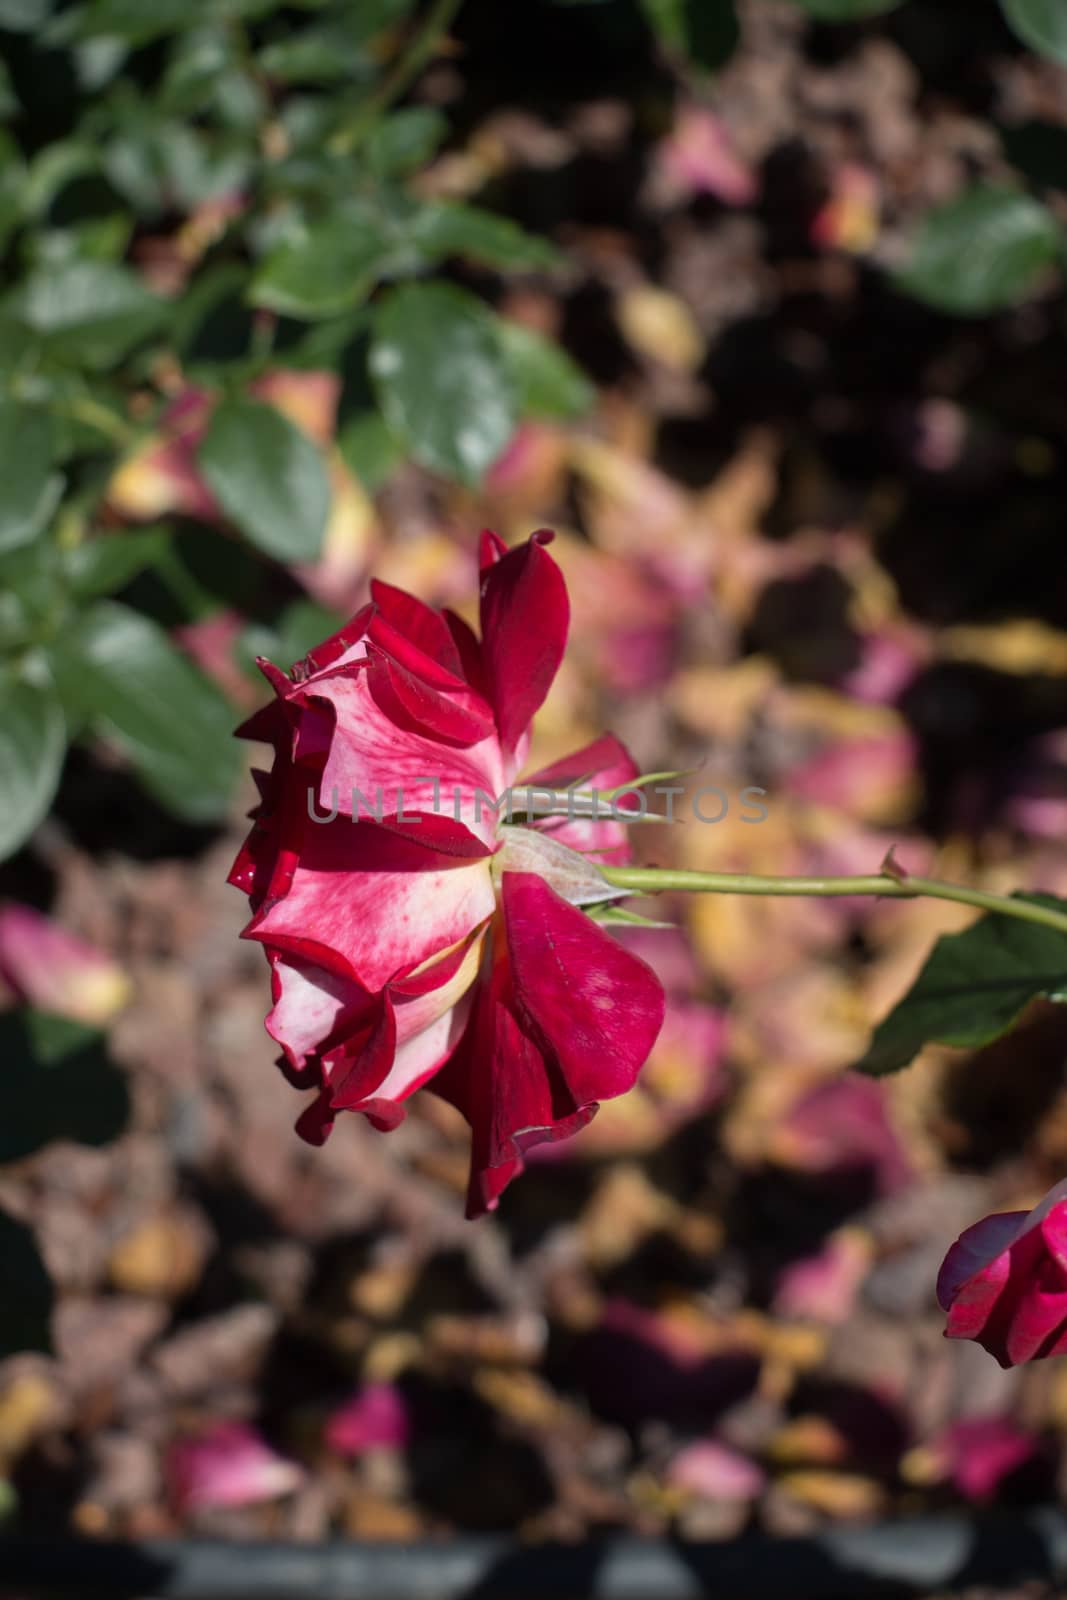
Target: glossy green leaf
105	564
29	578
368	449
90	311
547	382
403	141
334	266
320	55
33	742
451	229
1041	24
26	1306
132	21
269	478
329	270
121	673
705	32
53	168
973	987
24	16
29	493
442	380
982	251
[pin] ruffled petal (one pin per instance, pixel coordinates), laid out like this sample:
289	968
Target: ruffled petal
470	652
369	904
312	1007
596	1007
415	692
560	1023
511	1095
424	1054
371	751
339	650
974	1251
524	617
419	623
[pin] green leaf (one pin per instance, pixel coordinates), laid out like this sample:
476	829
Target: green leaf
59	1083
448	228
973	988
29	486
547	382
132	21
269	478
24	16
33	742
330	269
53	168
846	10
326	54
1041	24
120	671
107	563
368	449
705	32
403	141
30	588
982	251
91	311
26	1309
334	265
442	379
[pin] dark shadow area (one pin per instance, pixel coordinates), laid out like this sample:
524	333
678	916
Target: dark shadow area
902	1561
104	808
996	1100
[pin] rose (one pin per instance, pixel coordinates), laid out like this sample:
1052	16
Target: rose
1004	1282
429	943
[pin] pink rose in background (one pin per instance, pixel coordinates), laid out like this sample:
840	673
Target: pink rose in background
414	938
1004	1282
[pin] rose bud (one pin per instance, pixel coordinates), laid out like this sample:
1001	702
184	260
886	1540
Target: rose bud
416	934
1004	1282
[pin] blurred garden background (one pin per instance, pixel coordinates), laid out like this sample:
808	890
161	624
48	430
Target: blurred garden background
761	307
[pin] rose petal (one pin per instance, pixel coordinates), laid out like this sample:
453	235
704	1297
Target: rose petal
524	616
369	904
228	1465
595	1006
48	967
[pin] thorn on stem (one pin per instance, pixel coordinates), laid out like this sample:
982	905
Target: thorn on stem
891	867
